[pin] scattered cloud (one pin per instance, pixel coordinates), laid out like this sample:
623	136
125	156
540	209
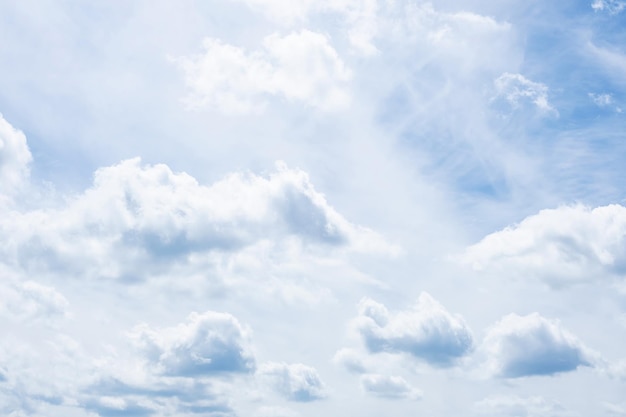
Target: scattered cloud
519	346
295	382
301	66
391	387
206	344
515	89
601	100
610	6
565	245
427	331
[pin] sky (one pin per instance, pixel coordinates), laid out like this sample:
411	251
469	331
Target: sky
271	208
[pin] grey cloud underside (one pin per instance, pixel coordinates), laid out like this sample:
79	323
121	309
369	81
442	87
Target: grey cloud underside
532	345
207	344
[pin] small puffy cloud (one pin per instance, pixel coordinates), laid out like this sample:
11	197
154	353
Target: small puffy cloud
15	157
564	245
206	344
301	66
610	6
392	387
295	382
351	360
427	331
601	100
515	88
519	346
514	406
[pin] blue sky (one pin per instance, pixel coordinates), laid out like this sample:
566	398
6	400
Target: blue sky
265	208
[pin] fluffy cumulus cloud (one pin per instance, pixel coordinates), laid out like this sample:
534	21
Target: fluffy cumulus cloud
301	66
514	406
295	382
206	344
391	387
516	89
427	331
139	221
519	346
564	245
15	158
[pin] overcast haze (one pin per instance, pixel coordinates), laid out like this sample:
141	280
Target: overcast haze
269	208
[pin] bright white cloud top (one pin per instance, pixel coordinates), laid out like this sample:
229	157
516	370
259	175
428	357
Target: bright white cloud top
276	208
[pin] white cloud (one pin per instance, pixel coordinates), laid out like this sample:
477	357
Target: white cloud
359	17
351	360
392	387
301	66
295	382
142	221
519	346
206	344
564	245
611	6
25	299
427	331
516	88
601	100
15	158
514	406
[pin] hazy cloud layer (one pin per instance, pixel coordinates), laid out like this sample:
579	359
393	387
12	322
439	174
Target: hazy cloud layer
295	382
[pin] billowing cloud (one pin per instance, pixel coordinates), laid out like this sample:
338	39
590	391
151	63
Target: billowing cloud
392	387
15	158
564	245
206	344
295	382
301	66
515	88
137	221
519	346
427	331
514	406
